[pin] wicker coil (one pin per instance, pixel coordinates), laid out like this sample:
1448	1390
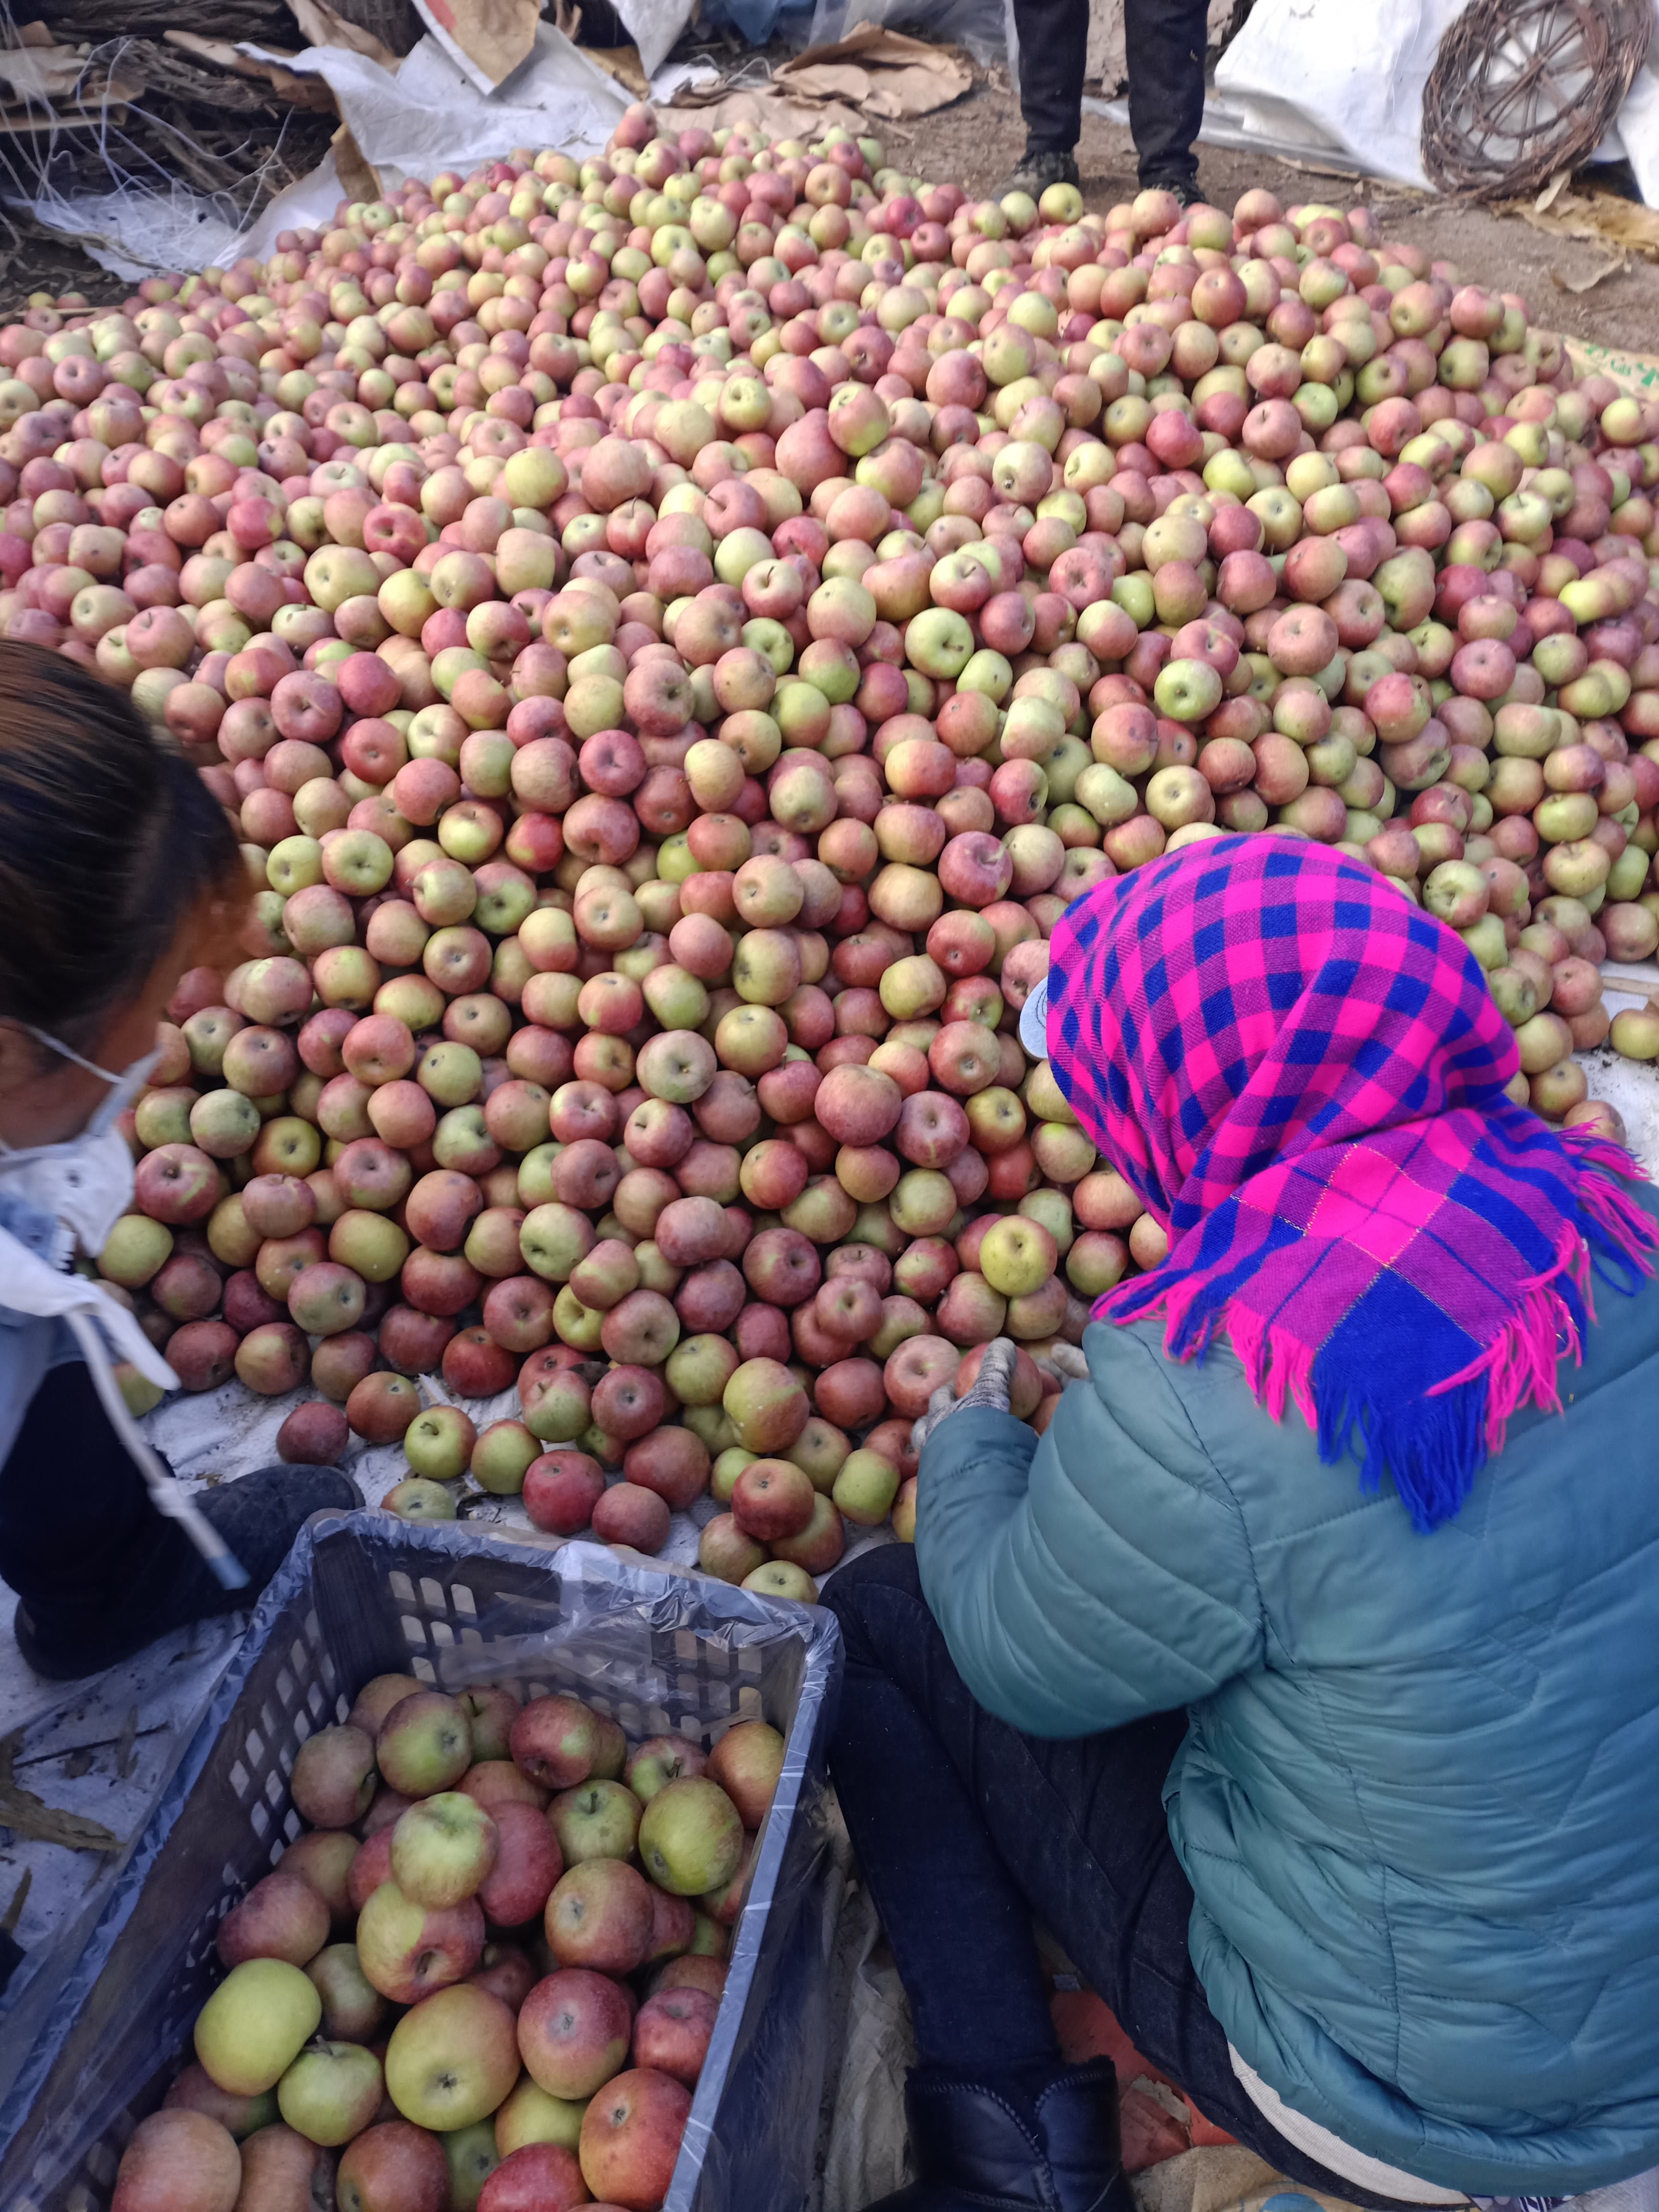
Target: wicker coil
1522	90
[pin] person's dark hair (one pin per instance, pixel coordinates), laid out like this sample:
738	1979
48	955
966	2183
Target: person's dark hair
109	842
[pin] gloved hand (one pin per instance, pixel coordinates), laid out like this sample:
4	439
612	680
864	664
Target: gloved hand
1062	1364
996	1373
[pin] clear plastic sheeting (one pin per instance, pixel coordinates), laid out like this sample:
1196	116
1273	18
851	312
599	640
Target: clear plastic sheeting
655	25
984	27
103	1752
363	1594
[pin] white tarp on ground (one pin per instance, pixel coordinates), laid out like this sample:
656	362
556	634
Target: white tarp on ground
1348	81
431	116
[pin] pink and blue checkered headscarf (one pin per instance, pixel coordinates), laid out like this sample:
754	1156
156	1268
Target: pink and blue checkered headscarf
1302	1075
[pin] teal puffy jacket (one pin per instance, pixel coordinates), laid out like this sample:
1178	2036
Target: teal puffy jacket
1418	1798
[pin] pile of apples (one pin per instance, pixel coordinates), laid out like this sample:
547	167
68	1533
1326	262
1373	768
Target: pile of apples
675	631
485	1976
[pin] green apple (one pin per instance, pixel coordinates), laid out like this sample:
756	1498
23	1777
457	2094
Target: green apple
865	1486
416	1499
443	1849
438	1444
452	2058
136	1250
531	2116
727	1467
473	2157
425	1744
501	1456
709	1939
253	2026
690	1837
594	1821
1017	1256
938	641
553	1238
331	2093
782	1578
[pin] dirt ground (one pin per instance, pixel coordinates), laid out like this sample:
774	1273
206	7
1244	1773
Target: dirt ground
978	141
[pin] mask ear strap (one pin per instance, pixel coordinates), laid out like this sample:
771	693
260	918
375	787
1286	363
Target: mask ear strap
68	1052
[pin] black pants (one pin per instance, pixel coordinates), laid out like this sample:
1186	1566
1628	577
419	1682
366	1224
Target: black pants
964	1829
1165	40
98	1572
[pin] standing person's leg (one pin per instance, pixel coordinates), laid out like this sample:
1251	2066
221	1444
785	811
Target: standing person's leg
964	1830
1054	38
97	1572
1166	42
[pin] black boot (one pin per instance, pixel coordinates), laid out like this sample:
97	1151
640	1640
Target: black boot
1183	190
977	2149
1039	167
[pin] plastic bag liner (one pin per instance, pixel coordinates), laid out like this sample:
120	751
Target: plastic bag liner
140	1721
361	1594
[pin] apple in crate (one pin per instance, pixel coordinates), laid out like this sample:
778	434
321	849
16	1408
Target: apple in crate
442	1849
631	2136
252	2027
393	2167
178	2161
573	2032
452	2058
409	1950
746	1763
691	1836
425	1744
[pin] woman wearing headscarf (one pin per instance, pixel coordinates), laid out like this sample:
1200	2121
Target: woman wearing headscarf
1302	1679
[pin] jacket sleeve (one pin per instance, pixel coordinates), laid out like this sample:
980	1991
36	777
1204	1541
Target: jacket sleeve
1094	1575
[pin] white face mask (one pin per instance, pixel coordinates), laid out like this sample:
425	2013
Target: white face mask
85	1180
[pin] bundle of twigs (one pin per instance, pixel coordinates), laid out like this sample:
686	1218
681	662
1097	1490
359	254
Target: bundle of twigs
101	19
163	115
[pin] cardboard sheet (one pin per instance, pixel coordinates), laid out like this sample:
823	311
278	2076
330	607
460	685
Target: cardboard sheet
879	71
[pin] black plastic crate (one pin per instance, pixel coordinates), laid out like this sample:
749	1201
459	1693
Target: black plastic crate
364	1593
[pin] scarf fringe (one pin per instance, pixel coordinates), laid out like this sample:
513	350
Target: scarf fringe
1433	1446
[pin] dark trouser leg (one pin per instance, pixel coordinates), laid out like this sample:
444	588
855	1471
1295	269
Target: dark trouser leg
964	1829
1053	35
914	1761
1165	41
97	1572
